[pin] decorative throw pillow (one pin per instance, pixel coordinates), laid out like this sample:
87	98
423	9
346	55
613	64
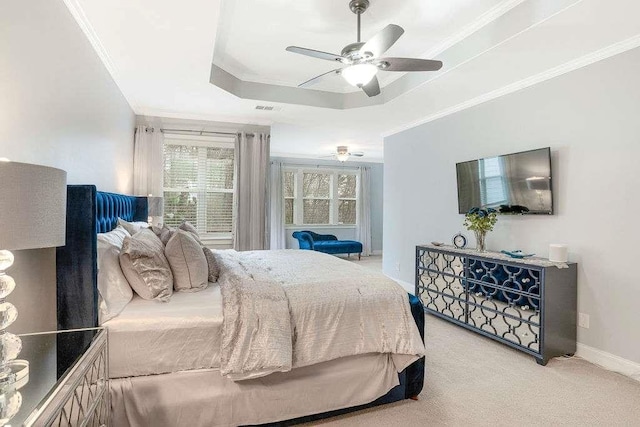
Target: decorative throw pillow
187	226
187	261
145	266
166	234
212	266
132	227
113	287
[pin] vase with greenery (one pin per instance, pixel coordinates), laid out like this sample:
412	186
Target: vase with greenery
480	221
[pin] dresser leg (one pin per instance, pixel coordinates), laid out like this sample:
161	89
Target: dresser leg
542	362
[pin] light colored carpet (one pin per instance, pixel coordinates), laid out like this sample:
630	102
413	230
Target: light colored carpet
474	381
373	262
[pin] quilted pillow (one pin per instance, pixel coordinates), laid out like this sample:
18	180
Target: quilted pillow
145	266
187	261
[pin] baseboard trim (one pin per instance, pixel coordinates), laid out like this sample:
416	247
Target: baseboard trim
609	361
378	252
410	287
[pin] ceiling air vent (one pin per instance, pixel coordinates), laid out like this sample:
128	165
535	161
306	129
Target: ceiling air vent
266	107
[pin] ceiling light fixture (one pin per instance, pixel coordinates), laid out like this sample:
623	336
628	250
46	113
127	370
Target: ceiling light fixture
342	153
360	74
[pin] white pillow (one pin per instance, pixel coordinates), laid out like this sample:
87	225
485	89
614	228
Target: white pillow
113	287
114	237
132	227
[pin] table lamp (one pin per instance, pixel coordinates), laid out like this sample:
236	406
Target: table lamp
33	203
156	209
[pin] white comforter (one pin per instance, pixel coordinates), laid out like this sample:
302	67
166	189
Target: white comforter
288	309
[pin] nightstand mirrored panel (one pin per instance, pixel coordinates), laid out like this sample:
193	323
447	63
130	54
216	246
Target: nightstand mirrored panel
63	383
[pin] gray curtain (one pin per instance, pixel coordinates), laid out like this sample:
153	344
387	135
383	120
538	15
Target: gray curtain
251	214
363	231
277	237
148	161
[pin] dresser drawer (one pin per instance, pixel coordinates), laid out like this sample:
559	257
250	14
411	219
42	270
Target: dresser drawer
442	263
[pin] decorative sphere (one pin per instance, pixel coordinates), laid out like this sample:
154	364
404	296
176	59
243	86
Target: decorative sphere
8	314
7	285
6	259
10	404
10	346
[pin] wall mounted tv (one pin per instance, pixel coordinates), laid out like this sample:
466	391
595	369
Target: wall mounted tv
518	183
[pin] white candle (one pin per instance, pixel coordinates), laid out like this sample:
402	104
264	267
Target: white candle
558	252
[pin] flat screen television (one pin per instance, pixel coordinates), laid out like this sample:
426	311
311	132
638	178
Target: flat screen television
518	183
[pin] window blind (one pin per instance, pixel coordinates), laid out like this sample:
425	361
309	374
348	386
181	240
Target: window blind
327	197
199	185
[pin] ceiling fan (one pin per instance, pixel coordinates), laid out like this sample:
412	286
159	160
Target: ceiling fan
342	153
361	61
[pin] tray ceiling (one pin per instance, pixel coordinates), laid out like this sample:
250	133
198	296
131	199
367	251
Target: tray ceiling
160	53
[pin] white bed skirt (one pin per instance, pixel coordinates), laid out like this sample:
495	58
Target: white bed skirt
205	398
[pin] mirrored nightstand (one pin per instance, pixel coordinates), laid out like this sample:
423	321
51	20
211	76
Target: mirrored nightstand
67	383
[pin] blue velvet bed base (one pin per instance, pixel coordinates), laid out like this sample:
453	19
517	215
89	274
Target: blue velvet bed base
90	212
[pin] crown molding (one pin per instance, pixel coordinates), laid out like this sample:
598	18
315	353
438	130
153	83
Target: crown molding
169	114
583	61
317	157
83	22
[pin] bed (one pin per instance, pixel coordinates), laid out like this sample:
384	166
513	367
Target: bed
148	388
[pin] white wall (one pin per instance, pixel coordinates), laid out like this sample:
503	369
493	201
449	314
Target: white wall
590	119
346	232
59	105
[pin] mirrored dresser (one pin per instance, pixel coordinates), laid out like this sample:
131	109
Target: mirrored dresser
58	388
529	304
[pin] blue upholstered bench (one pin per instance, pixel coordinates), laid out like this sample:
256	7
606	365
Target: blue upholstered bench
327	243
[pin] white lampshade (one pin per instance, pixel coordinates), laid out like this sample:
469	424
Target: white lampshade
33	206
360	74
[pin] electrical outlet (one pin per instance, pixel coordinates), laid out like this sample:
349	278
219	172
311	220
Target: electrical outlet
398	266
583	320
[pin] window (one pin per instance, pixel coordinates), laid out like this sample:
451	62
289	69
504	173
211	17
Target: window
199	183
492	182
320	197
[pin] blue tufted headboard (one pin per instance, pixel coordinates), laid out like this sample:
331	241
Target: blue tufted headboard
88	212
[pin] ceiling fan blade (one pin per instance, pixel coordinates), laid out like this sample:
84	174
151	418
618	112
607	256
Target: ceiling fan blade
357	154
382	41
372	88
315	53
316	79
409	64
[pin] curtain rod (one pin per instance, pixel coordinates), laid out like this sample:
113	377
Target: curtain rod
285	164
202	132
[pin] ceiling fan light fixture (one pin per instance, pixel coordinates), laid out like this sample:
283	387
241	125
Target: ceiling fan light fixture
342	157
360	74
342	153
